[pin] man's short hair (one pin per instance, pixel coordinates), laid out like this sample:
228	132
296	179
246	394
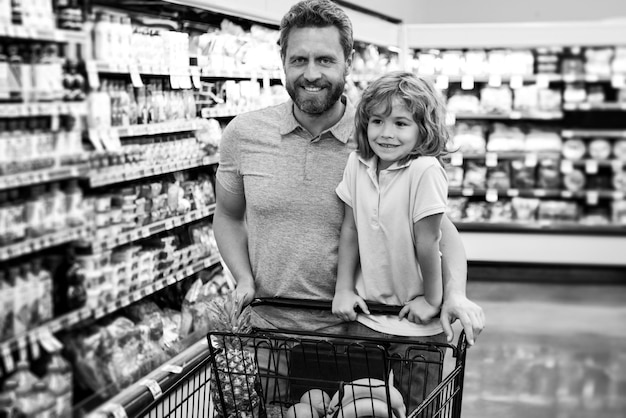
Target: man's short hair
317	13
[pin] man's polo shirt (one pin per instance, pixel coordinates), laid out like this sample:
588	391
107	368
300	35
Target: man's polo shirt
293	214
385	207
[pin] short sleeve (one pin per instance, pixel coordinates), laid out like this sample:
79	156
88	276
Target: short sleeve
229	169
345	188
431	195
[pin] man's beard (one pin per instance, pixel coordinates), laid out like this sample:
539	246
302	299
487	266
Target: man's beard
315	105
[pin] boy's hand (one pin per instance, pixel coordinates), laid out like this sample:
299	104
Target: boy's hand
344	304
419	311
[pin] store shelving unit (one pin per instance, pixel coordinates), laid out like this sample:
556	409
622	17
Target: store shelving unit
528	244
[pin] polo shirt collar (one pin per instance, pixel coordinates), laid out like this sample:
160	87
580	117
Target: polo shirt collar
372	164
342	130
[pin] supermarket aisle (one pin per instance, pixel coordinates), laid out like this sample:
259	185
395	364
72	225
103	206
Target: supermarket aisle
548	351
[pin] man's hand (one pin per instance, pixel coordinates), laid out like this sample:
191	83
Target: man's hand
246	291
418	311
344	304
470	314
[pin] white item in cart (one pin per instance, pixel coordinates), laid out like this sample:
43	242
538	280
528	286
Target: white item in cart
600	149
574	149
619	149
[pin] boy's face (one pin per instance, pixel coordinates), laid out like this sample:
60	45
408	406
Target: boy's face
315	68
392	137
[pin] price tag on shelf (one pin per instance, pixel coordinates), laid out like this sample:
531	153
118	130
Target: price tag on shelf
195	77
34	345
567	194
7	358
584	106
491	195
592	78
543	81
93	78
515	114
266	80
21	348
512	192
450	119
567	166
617	165
467	192
540	193
172	368
135	77
516	81
442	82
467	82
592	197
491	159
618	195
495	80
530	159
94	138
154	388
618	81
591	166
456	158
570	78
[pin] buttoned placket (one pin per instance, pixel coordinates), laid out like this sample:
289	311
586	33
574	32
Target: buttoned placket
371	171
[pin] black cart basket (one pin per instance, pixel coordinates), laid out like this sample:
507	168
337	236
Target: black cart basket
295	374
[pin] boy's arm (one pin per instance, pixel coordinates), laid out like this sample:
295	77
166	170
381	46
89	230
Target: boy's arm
427	236
231	236
456	305
345	293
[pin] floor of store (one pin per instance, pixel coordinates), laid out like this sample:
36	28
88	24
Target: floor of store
548	351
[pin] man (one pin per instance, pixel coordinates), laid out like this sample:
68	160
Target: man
278	219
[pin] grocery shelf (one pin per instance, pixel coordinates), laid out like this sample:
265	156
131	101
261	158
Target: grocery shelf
539	78
590	133
30	178
587	106
119	174
509	155
152	229
166	279
591	195
42	34
13	110
46	241
63	322
225	111
238	73
125	68
574	228
512	115
157	128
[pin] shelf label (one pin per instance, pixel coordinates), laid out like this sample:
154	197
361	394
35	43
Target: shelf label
617	165
491	195
450	119
516	82
567	134
530	159
467	82
592	197
495	80
491	159
34	345
154	388
467	192
567	166
512	192
442	82
591	167
195	77
135	77
567	194
7	359
92	74
540	193
618	81
543	81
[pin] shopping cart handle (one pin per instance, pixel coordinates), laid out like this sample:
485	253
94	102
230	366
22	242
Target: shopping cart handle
324	305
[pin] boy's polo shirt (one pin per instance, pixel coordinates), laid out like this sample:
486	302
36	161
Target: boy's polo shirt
288	175
385	208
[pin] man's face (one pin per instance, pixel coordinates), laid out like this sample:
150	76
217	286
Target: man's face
315	68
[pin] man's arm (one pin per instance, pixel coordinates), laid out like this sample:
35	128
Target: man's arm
231	236
456	305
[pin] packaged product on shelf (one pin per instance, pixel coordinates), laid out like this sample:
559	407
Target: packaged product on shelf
526	98
475	175
548	174
596	216
500	211
524	209
496	99
547	60
476	212
558	211
506	138
468	138
22	383
455	175
574	93
22	302
598	61
549	100
6	306
600	149
475	62
498	177
618	212
595	95
574	149
575	180
619	181
572	61
463	102
451	62
539	140
456	208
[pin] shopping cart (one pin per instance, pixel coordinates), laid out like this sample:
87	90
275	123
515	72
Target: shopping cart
266	373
